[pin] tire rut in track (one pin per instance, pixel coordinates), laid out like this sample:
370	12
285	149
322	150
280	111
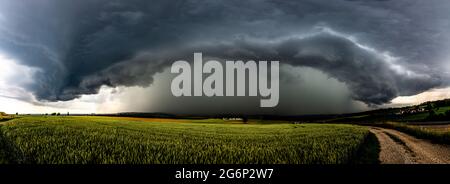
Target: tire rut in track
400	148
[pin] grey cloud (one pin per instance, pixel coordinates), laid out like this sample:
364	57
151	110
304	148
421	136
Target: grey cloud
370	75
81	45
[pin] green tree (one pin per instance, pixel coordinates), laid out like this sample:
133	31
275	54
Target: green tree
245	120
432	115
429	107
447	114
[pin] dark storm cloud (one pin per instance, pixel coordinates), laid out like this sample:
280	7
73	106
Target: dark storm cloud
374	78
81	45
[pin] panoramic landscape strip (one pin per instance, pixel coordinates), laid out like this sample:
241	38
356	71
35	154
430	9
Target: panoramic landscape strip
373	137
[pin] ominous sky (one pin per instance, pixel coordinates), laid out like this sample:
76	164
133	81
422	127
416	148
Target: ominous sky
109	55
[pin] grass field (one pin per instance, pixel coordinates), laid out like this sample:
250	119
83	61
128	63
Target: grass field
5	117
442	110
415	117
437	128
86	140
435	133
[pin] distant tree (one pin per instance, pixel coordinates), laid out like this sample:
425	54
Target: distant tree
429	107
245	120
67	113
447	114
432	115
58	114
440	117
46	114
17	113
53	114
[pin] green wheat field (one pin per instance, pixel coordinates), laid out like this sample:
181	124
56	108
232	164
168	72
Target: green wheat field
116	140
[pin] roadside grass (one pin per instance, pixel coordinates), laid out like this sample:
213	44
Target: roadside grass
419	132
369	151
104	140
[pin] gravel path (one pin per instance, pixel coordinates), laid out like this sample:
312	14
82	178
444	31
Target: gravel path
400	148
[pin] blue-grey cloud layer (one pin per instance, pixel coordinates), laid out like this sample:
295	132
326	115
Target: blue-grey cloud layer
380	49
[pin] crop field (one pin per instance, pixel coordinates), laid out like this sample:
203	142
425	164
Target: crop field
438	133
442	110
104	140
415	117
439	127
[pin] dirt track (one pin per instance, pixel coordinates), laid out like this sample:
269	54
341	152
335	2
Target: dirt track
400	148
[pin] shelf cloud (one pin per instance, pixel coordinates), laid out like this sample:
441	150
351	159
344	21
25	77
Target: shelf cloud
378	49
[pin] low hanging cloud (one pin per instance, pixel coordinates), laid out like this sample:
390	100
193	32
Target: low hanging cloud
379	49
374	78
